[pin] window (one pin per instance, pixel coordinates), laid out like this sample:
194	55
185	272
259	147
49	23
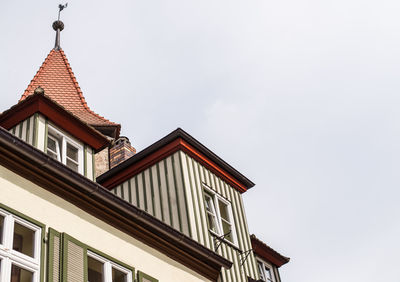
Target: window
19	249
101	269
64	149
265	272
219	215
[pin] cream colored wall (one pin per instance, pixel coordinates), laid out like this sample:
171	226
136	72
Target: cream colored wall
32	200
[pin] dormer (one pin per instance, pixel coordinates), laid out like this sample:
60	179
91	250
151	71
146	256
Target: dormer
268	260
49	127
53	116
184	184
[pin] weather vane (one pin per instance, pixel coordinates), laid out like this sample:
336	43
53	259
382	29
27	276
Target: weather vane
61	7
58	26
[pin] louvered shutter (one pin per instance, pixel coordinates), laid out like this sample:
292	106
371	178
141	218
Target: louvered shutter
74	260
54	256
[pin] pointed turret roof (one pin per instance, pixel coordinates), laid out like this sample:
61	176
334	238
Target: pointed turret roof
55	76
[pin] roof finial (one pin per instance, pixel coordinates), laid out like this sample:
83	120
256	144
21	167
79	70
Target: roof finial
39	91
58	26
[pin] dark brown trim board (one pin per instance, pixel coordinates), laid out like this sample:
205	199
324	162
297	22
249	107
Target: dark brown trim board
267	253
94	199
39	103
176	140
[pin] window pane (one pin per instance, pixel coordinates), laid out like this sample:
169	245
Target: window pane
72	152
1	228
118	276
212	223
51	144
261	270
53	149
209	204
226	228
51	154
95	270
19	274
223	209
72	165
268	273
23	240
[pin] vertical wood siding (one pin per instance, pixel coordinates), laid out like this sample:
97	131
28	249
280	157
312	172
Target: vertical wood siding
33	131
160	191
172	191
195	176
25	130
88	169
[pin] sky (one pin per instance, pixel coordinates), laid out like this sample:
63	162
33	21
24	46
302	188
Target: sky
301	96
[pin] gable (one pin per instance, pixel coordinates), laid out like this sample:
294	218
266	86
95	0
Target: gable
175	141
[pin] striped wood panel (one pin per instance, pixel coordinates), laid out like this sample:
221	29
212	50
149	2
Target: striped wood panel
172	191
88	162
195	175
25	130
159	190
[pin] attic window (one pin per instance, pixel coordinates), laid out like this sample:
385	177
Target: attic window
62	148
219	215
265	272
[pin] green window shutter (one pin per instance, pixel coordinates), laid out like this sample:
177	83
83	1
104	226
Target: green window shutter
54	256
143	277
74	260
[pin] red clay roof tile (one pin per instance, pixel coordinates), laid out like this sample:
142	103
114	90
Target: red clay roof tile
55	76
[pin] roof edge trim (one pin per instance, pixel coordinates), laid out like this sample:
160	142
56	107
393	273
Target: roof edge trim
58	115
176	140
52	175
267	253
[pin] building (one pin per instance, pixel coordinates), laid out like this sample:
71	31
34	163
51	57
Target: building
268	260
77	203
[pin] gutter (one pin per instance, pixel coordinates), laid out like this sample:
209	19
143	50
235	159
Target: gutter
107	206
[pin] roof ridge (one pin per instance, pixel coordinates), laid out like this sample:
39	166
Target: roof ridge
78	89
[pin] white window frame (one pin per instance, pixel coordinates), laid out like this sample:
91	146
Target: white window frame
263	275
108	265
216	197
8	256
56	134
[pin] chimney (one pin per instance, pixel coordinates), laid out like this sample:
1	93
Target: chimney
120	151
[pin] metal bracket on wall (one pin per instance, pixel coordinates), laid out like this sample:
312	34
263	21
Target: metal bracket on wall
244	256
218	240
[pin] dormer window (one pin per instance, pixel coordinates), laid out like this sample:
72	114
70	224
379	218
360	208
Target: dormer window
54	147
219	215
265	272
62	148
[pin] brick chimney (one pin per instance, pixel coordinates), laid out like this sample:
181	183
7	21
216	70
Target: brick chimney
120	151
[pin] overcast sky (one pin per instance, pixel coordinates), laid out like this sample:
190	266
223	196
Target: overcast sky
301	96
